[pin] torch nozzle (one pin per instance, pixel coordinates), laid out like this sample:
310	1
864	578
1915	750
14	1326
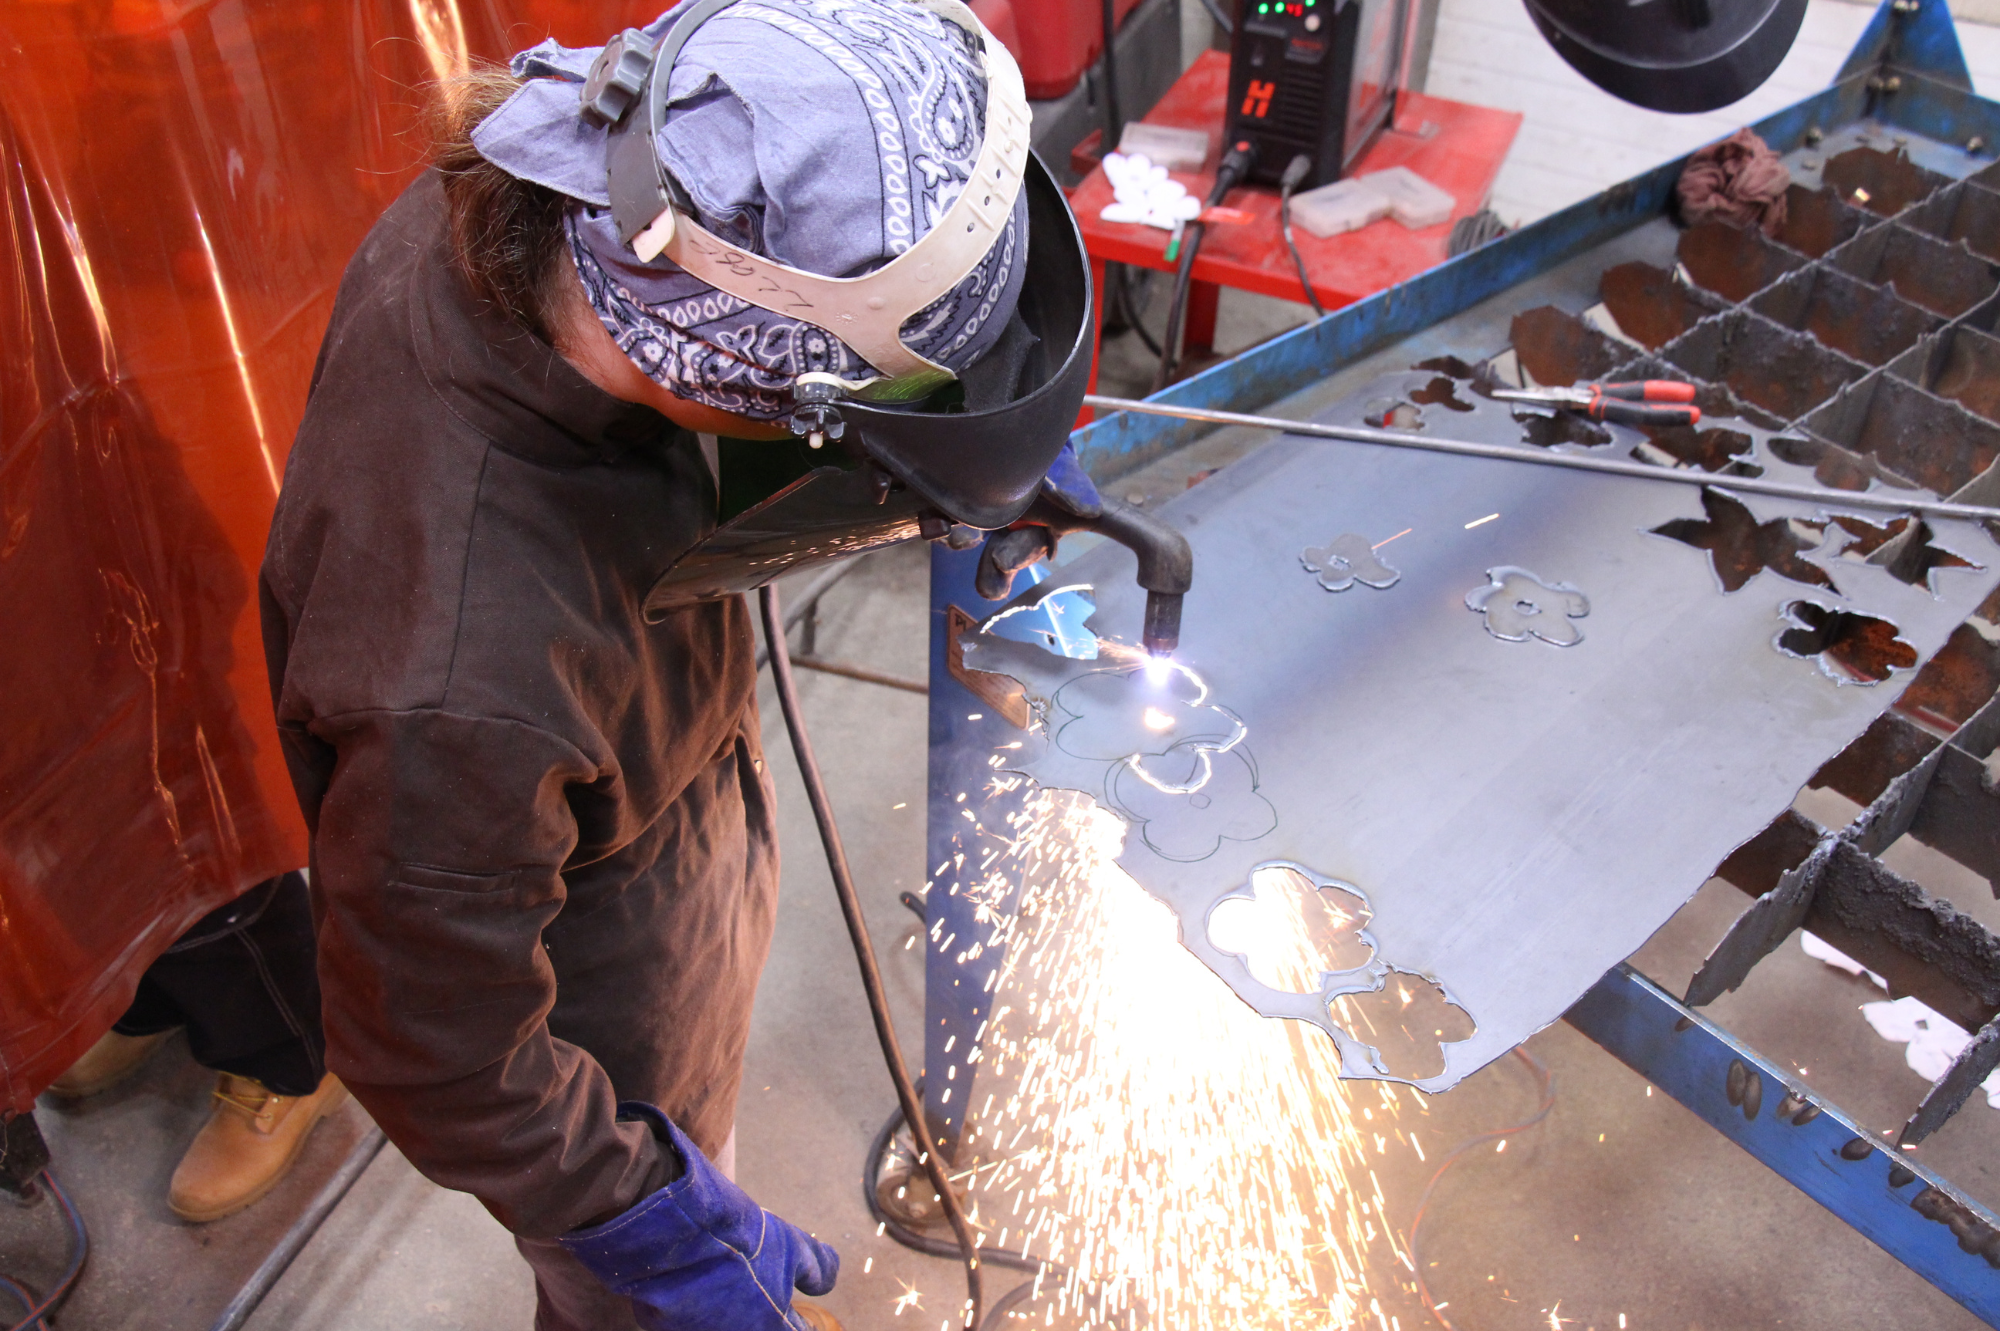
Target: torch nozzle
1166	569
1162	632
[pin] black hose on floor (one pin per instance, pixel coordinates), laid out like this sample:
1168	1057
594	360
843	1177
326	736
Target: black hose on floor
911	1107
871	1169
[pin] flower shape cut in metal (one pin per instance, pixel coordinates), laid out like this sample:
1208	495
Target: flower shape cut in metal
1132	715
1518	606
1346	560
1190	800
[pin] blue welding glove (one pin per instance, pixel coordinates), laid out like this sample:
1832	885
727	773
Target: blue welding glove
699	1255
1067	502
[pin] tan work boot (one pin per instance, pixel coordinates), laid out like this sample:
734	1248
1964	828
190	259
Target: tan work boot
111	1060
250	1140
816	1317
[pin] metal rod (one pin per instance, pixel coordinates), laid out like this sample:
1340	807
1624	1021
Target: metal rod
866	676
294	1240
1362	434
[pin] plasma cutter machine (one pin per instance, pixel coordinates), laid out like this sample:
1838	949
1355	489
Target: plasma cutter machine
1645	675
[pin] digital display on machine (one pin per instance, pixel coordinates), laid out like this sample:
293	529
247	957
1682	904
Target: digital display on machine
1314	77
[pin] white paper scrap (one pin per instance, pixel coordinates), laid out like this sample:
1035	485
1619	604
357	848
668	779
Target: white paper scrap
1142	192
1931	1041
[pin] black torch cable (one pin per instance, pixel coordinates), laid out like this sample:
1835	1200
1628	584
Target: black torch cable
1234	166
1296	171
864	950
1170	340
1041	1267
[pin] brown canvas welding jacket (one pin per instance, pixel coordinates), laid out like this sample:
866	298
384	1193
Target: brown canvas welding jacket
543	850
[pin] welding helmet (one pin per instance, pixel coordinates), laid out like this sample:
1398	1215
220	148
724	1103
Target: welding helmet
931	450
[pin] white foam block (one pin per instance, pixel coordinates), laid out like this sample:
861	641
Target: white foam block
1175	149
1414	201
1345	205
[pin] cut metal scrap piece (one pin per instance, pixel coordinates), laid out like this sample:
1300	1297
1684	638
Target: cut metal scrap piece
1518	605
1519	821
1346	560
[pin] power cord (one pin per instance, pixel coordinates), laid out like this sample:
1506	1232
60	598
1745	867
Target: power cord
1295	171
1457	1153
1234	166
911	1106
1121	278
39	1310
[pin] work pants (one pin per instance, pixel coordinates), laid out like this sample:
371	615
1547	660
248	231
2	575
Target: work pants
244	981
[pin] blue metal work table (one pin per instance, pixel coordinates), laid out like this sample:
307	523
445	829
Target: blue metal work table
1918	766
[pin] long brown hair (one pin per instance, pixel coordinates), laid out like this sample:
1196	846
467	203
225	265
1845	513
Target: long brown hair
506	233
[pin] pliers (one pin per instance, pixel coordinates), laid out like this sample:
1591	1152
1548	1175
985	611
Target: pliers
1640	402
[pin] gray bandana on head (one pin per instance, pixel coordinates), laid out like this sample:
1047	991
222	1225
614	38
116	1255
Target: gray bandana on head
829	135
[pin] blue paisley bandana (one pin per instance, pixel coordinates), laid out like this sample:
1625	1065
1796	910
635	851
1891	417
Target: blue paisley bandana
826	134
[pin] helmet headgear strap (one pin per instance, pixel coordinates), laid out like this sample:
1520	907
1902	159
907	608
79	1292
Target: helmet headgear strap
655	217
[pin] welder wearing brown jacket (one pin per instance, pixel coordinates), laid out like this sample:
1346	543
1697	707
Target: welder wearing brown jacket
543	850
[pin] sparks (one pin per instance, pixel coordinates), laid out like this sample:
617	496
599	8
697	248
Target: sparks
1117	1137
1481	522
909	1298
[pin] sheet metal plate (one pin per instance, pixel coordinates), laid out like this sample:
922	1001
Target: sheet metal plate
1518	815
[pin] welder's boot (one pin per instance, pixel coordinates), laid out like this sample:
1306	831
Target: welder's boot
111	1060
816	1317
250	1140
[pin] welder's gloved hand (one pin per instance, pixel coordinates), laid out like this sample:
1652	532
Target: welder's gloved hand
1067	502
699	1255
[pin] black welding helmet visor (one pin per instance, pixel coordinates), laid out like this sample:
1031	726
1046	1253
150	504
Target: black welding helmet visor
978	449
1684	56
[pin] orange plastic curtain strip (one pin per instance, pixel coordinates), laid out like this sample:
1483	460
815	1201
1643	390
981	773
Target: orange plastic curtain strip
181	185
